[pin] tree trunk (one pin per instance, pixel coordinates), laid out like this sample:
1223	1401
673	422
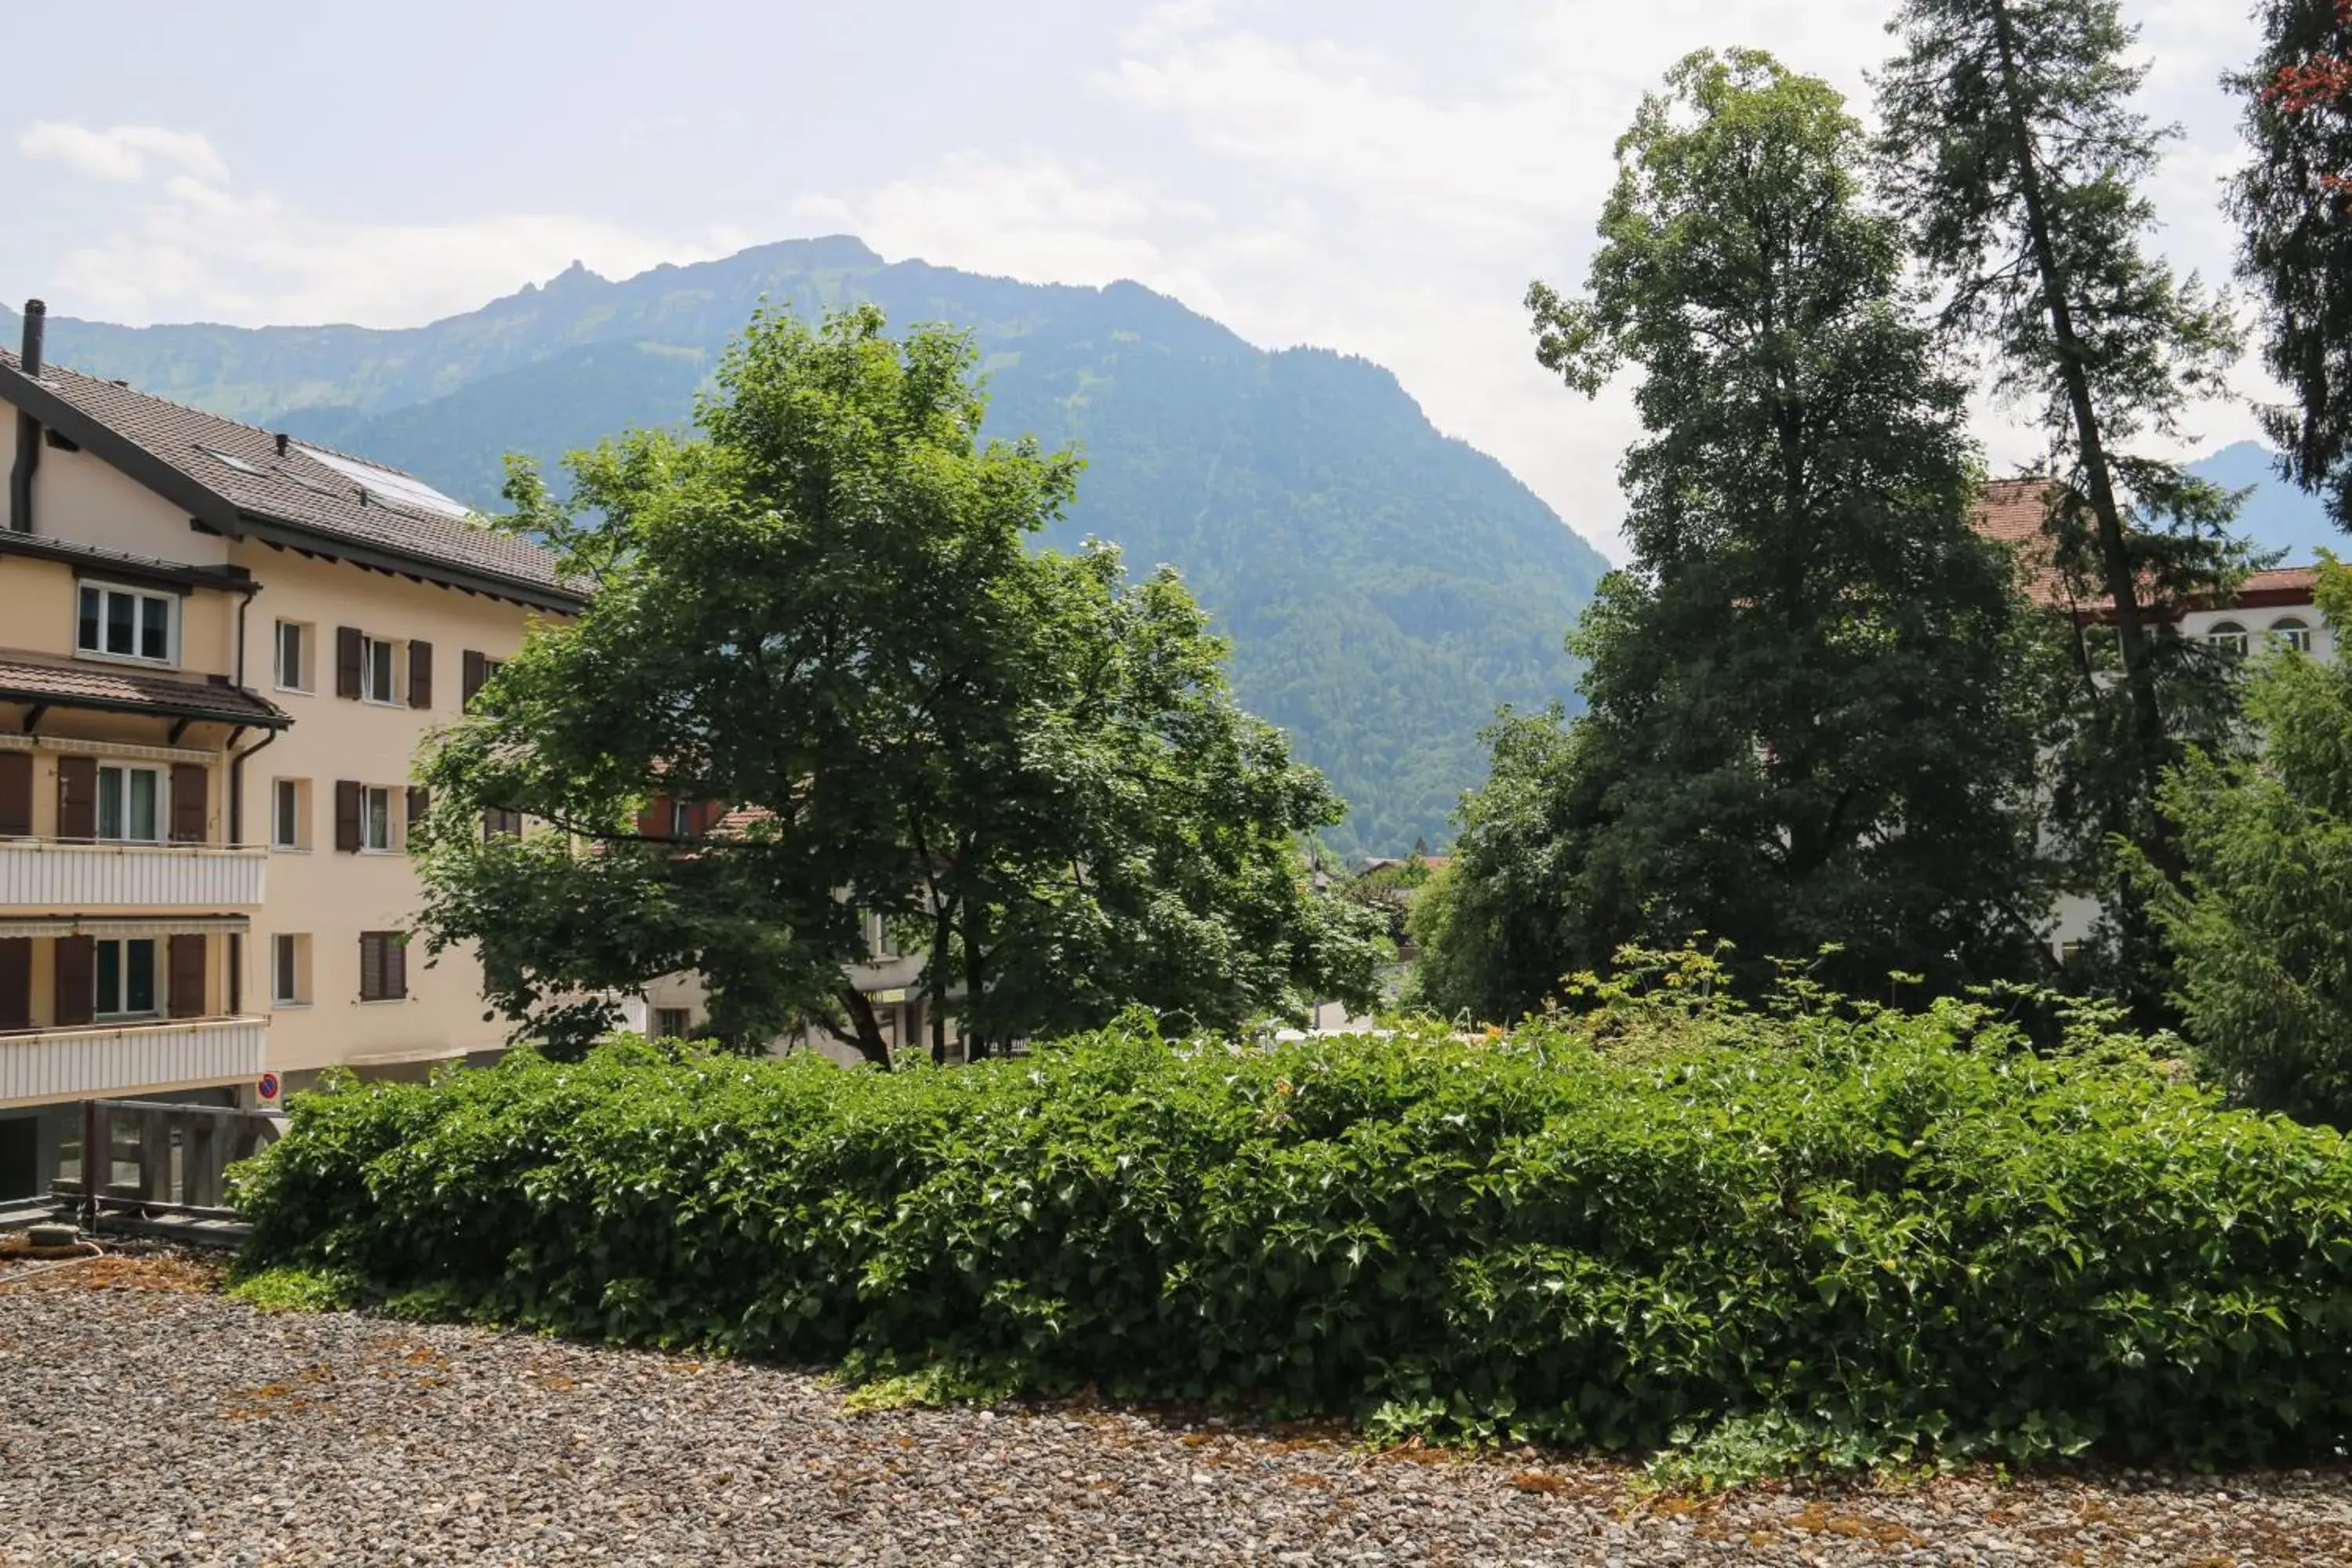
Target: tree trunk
975	1042
942	934
2115	557
869	1027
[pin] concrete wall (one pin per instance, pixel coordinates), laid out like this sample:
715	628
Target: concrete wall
330	896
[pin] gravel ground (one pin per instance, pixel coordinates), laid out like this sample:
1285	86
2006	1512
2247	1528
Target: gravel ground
145	1419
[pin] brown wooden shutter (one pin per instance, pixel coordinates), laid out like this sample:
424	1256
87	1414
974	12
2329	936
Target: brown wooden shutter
474	673
347	661
654	821
190	804
16	794
347	816
76	976
395	964
185	959
370	966
77	797
16	983
420	805
420	674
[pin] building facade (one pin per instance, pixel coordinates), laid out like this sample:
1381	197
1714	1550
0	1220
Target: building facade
221	651
2277	607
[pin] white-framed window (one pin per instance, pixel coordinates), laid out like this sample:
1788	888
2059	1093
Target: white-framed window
289	969
130	803
375	818
378	670
672	1023
115	621
2294	631
289	814
2229	637
294	651
127	983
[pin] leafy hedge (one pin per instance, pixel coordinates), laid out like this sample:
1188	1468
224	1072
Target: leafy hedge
1849	1237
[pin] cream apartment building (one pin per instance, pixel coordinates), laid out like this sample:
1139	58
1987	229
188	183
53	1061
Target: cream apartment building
220	652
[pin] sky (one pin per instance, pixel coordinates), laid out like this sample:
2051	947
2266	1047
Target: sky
1376	176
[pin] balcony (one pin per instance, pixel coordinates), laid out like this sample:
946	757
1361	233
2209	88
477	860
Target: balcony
92	1061
52	874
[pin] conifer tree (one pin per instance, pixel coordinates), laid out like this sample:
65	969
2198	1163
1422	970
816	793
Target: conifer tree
2014	151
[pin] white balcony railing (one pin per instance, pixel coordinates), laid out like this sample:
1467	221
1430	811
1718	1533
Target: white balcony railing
54	875
91	1061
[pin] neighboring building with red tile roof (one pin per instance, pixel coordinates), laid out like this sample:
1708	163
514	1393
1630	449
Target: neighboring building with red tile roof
2280	602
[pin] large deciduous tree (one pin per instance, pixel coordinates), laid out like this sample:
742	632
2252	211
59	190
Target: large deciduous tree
2013	149
2294	201
1804	724
821	616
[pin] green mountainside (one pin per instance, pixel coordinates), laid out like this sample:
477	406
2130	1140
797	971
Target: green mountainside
1384	587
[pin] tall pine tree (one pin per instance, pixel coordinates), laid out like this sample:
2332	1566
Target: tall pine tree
1805	724
2015	154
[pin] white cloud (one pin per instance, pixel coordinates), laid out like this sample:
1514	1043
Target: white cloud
197	244
124	154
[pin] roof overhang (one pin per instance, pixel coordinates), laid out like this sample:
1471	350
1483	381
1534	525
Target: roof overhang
380	558
120	568
245	718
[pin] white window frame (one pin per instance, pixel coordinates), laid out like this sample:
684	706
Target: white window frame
2229	637
300	789
389	665
306	660
2294	632
102	1006
289	969
162	777
368	795
140	598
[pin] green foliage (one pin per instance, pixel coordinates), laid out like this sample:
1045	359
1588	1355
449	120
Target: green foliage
2261	927
297	1290
1805	719
1384	586
822	610
1830	1230
2290	201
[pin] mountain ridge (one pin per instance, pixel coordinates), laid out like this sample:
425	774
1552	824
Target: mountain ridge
1385	586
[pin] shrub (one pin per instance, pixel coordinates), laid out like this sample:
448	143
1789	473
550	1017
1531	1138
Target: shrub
1845	1234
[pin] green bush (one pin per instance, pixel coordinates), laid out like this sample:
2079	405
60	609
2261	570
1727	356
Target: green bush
1668	1224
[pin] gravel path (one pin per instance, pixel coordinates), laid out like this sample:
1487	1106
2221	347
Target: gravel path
146	1420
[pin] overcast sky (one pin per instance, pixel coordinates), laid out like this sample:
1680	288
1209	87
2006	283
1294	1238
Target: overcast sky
1376	176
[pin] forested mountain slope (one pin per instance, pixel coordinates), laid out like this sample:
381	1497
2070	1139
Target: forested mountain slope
1384	587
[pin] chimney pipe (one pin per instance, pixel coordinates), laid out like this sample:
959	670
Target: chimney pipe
28	430
36	320
283	442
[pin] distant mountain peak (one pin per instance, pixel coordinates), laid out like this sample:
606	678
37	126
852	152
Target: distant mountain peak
574	276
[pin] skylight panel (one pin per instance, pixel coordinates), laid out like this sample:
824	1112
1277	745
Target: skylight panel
217	456
391	489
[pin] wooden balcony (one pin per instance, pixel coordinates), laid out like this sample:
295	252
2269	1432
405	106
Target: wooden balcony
56	874
150	1056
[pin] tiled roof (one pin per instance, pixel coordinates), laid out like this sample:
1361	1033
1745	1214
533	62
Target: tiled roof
121	688
296	489
2012	512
